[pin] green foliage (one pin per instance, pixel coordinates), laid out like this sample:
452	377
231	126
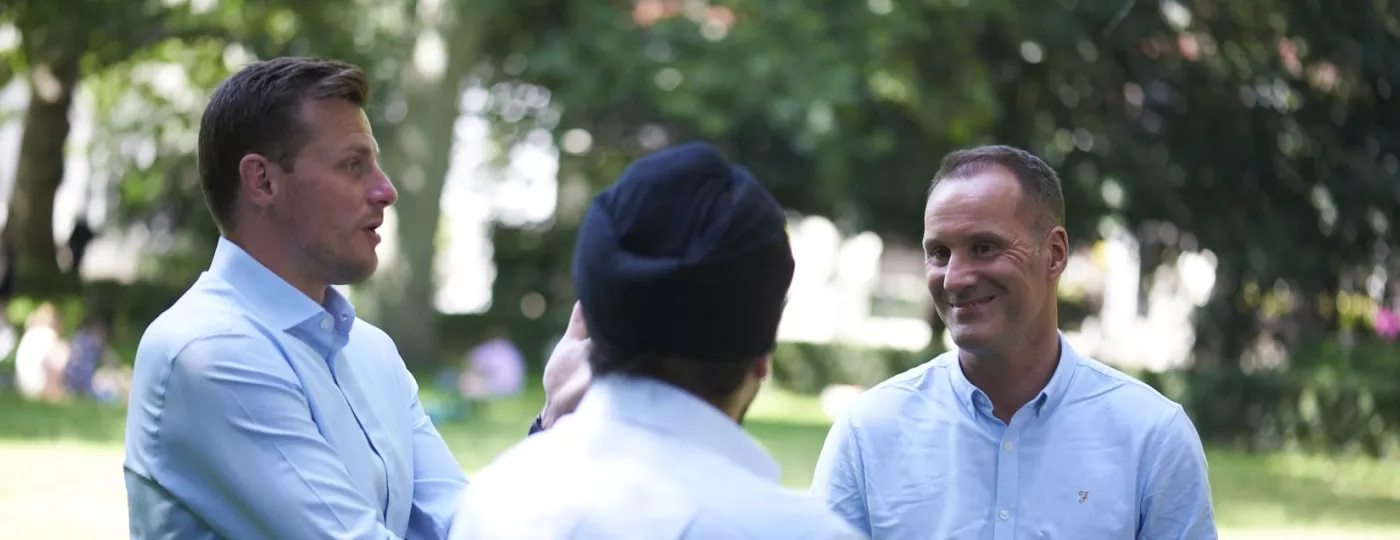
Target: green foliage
1260	138
1332	398
1260	129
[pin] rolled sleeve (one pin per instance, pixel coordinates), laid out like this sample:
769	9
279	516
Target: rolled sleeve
240	449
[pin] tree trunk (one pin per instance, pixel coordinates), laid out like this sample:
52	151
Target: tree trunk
401	296
52	78
1224	327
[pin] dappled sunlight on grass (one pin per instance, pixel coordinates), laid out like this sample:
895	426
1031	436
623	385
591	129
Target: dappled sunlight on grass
72	453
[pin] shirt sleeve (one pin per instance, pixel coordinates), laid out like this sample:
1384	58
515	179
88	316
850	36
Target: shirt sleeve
1177	502
839	479
238	447
438	481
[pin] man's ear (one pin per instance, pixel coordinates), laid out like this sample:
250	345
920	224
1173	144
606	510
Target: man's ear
255	179
1058	246
760	367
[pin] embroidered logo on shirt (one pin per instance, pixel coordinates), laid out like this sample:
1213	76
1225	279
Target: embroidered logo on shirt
1082	496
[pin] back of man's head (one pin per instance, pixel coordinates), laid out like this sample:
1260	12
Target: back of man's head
682	268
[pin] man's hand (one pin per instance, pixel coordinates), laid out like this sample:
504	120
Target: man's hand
566	374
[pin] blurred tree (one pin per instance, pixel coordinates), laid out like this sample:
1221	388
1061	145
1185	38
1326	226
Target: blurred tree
422	107
60	43
1217	120
1264	131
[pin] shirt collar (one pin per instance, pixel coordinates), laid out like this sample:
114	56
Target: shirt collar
270	296
973	398
667	409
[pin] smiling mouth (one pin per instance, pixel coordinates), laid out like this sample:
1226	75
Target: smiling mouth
972	303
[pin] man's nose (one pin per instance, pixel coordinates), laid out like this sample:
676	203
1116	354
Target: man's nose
382	193
959	275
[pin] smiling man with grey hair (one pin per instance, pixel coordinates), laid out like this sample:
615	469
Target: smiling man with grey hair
1012	435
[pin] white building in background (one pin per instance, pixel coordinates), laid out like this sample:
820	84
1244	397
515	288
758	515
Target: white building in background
835	286
840	280
1156	336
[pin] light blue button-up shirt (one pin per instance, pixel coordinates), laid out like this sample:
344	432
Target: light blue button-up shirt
1096	456
256	413
640	459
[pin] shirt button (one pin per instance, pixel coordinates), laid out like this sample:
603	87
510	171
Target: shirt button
1004	515
326	324
1006	445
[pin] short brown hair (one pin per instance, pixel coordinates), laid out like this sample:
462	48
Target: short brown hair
258	111
1039	183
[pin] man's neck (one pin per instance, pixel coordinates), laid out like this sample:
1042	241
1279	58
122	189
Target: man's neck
1012	379
271	255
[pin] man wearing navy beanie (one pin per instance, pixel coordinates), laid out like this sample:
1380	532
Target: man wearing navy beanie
682	269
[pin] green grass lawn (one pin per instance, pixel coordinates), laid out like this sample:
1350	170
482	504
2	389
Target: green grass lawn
60	472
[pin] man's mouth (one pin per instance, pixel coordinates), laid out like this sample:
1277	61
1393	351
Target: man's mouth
971	302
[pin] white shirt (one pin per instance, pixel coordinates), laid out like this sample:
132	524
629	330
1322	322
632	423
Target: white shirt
640	459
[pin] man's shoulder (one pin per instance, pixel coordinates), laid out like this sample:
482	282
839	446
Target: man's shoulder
1119	403
206	310
532	490
538	479
205	326
916	387
365	332
1121	389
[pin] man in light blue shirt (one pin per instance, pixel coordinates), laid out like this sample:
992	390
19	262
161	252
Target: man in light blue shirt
1012	435
681	268
261	407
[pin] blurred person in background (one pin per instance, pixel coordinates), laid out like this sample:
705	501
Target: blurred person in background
41	354
682	270
494	369
77	245
1012	434
87	353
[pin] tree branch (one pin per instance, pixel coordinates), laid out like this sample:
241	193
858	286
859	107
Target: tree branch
1119	17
